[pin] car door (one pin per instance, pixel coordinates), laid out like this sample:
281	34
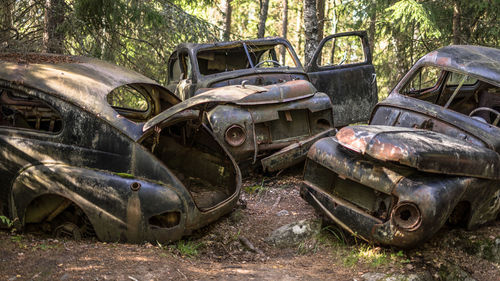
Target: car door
342	68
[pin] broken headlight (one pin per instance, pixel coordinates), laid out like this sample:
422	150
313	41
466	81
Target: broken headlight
235	135
406	215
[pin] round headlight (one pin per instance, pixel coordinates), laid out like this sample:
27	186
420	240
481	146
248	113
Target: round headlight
407	216
235	135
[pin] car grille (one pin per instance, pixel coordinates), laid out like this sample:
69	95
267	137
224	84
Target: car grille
291	124
373	202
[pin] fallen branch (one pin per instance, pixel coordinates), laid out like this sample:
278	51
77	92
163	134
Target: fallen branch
245	242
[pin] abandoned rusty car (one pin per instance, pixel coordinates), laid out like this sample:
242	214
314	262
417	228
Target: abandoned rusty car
77	161
263	104
429	155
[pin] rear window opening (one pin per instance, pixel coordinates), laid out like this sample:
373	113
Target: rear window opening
199	162
19	110
139	102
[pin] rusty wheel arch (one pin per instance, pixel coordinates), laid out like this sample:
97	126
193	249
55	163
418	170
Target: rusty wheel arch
460	215
57	213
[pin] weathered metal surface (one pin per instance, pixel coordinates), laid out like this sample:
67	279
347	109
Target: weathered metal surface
85	82
476	61
418	164
177	178
256	76
401	111
272	127
292	154
426	151
243	95
351	87
273	106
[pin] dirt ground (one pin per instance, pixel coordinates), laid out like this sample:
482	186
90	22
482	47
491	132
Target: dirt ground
216	251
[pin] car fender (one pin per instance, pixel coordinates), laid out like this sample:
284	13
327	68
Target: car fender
117	212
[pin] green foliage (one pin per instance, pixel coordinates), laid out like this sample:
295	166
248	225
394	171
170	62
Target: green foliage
187	248
142	34
256	189
6	221
374	256
410	12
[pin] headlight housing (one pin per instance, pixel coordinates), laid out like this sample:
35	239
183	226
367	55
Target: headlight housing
235	135
407	216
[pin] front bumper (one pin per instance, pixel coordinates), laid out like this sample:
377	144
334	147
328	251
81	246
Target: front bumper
332	173
292	154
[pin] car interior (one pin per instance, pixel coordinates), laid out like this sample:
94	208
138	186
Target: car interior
457	92
234	57
25	111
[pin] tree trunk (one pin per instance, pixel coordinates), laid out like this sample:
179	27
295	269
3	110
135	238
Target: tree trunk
311	29
284	28
371	28
53	36
228	10
264	6
456	23
300	27
320	12
6	23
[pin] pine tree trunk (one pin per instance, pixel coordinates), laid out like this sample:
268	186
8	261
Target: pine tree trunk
456	23
6	23
264	6
373	21
284	28
300	27
320	12
311	29
53	36
228	10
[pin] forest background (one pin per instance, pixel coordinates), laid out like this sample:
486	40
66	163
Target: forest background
141	34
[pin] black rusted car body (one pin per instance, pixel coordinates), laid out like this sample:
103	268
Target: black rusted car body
428	157
289	107
76	158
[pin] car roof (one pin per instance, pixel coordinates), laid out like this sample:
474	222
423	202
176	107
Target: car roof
82	81
478	61
260	41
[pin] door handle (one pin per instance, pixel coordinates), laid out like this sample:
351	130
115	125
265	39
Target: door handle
374	75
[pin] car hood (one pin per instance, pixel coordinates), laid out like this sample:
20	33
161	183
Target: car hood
421	149
245	95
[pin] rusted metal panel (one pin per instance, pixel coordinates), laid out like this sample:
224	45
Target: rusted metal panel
417	165
267	108
330	154
421	114
83	81
91	172
292	154
266	126
476	61
351	87
427	151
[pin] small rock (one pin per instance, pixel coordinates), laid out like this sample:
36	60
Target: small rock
452	272
292	234
282	213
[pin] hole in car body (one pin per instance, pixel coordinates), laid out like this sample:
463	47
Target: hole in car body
198	160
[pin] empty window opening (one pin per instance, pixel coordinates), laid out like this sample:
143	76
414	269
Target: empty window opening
20	110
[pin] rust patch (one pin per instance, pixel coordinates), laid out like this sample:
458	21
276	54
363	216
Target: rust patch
347	137
386	151
443	61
